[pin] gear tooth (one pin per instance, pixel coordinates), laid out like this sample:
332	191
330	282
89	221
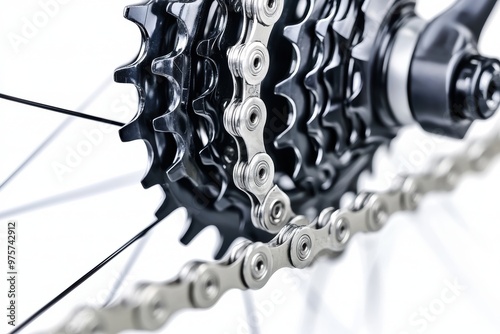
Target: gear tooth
362	50
167	65
126	74
150	179
309	80
292	33
177	171
342	27
281	88
198	105
154	174
179	8
192	231
206	156
162	66
316	86
223	247
173	122
203	48
130	132
284	140
376	11
278	88
161	123
322	26
136	13
167	206
333	65
345	26
330	117
175	9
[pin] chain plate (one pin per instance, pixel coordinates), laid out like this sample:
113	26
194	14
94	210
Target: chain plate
245	116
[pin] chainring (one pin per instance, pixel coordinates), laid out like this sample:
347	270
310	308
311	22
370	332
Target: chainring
321	131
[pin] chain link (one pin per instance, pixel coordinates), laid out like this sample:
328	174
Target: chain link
245	116
297	245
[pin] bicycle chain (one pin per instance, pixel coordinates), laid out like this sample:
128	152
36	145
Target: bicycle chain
245	116
251	265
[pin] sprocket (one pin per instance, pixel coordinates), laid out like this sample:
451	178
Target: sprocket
321	131
331	132
165	123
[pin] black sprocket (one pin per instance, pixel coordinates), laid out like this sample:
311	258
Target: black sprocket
321	132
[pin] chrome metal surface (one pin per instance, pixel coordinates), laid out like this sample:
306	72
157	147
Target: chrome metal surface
246	115
398	69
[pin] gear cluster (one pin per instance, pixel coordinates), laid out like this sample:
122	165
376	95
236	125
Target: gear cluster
319	132
176	75
330	132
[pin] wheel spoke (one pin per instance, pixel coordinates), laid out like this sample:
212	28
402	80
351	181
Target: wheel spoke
37	151
60	110
126	270
97	188
85	277
54	134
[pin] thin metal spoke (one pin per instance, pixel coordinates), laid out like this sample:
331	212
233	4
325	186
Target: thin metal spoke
101	187
85	277
60	110
100	89
126	270
37	151
108	185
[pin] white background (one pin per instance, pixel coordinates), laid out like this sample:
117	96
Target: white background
377	286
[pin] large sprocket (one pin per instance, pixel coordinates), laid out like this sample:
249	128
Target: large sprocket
165	120
321	131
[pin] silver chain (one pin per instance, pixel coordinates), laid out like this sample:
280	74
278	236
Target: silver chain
245	116
251	265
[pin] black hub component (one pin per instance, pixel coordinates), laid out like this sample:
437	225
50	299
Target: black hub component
400	14
450	84
477	88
